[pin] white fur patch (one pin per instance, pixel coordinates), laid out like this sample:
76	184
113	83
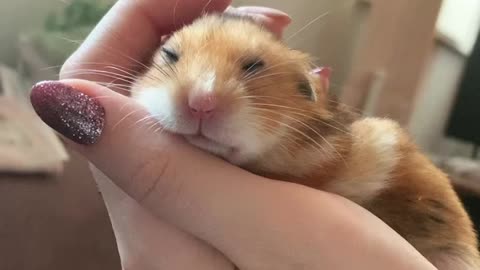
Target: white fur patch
208	84
374	156
158	103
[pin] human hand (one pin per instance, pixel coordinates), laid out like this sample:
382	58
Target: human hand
173	206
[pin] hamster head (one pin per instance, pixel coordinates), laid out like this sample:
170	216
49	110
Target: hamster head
233	89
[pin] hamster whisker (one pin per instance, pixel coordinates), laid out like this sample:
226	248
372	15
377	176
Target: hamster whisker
159	67
269	68
321	148
167	63
146	118
280	97
108	74
95	64
273	130
321	16
174	13
298	112
159	129
103	97
282	144
124	84
155	124
254	78
283	98
305	125
136	65
122	71
352	109
330	101
125	117
205	7
110	50
112	85
318	118
308	24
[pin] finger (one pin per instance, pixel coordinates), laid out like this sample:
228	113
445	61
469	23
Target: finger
129	34
272	19
249	218
147	242
280	16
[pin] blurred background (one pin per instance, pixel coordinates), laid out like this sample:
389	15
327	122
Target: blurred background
416	61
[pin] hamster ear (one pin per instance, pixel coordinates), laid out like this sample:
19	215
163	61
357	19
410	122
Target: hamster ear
316	84
323	74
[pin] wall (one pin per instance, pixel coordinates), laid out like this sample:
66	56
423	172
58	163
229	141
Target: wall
391	60
459	20
17	16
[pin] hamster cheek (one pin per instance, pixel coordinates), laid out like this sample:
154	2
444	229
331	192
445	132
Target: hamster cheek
161	105
251	140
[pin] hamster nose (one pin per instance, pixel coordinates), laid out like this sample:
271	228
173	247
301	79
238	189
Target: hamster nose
202	106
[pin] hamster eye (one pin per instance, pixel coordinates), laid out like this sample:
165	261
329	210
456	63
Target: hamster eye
171	55
253	66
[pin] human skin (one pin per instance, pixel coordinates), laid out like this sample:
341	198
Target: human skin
173	206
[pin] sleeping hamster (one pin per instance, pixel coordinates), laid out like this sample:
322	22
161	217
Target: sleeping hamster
232	88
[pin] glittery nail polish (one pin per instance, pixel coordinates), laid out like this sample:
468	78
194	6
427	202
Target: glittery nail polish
75	115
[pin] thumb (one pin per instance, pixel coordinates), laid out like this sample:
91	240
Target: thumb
112	131
169	177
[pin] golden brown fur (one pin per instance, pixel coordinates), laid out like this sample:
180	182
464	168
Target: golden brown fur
309	139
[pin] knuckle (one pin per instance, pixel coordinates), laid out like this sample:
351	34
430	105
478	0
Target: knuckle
153	179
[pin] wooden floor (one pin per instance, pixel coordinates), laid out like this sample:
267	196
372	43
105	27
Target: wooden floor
55	223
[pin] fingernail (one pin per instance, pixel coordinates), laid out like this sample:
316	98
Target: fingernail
70	112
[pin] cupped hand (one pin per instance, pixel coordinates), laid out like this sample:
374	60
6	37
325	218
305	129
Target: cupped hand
173	206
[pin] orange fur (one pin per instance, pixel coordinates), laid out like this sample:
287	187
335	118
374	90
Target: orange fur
311	140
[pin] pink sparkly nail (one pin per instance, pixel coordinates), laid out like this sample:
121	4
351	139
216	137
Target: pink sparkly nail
75	115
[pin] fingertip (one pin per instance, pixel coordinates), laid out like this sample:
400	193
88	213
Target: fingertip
274	20
276	14
70	112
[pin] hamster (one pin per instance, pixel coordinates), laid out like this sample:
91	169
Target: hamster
230	87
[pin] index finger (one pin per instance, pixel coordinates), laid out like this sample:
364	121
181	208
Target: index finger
128	34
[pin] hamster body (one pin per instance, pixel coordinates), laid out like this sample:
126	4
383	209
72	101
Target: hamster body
233	89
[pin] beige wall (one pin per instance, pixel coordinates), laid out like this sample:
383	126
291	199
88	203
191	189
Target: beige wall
17	16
